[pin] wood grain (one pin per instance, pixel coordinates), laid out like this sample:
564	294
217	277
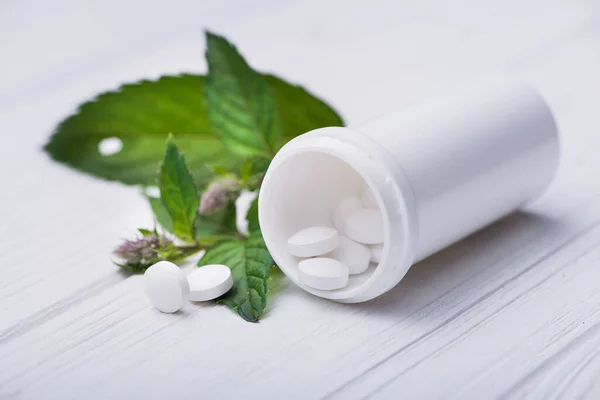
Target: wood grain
511	312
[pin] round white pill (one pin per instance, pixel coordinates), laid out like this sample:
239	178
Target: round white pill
209	282
376	251
365	226
313	241
342	210
323	273
368	199
166	287
354	255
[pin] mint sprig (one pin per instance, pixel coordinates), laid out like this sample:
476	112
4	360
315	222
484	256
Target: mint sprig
216	230
229	124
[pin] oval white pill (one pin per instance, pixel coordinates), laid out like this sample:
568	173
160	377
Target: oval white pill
376	251
313	241
209	282
342	210
323	273
354	255
166	287
368	199
365	226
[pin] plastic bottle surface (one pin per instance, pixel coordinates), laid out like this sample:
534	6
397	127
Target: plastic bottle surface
438	171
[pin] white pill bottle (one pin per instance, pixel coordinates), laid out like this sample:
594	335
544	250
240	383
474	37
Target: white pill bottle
439	170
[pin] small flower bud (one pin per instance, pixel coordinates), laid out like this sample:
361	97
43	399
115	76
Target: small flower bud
141	251
218	195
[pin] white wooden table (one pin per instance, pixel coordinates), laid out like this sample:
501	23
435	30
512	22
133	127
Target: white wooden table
511	312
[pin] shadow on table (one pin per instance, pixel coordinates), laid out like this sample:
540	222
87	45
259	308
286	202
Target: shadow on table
497	253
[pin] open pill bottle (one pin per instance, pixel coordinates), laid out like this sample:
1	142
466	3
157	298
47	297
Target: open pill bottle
439	171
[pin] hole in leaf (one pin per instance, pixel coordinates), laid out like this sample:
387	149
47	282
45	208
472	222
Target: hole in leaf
110	146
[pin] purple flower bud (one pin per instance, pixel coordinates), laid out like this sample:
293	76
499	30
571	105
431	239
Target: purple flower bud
218	195
141	251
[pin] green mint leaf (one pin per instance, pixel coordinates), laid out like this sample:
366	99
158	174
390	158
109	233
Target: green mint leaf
250	264
217	226
239	103
161	214
300	110
140	116
178	192
145	232
252	216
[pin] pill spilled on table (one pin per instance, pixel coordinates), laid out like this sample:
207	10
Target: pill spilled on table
168	288
209	282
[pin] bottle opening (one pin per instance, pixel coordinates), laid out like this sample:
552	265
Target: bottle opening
303	192
303	187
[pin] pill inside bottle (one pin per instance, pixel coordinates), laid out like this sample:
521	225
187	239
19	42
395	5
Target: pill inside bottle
313	207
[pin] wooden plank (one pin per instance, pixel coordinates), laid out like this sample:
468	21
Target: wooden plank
114	343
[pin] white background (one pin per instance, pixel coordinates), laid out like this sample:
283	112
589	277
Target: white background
512	311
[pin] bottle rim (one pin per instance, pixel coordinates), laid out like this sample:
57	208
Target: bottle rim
391	189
